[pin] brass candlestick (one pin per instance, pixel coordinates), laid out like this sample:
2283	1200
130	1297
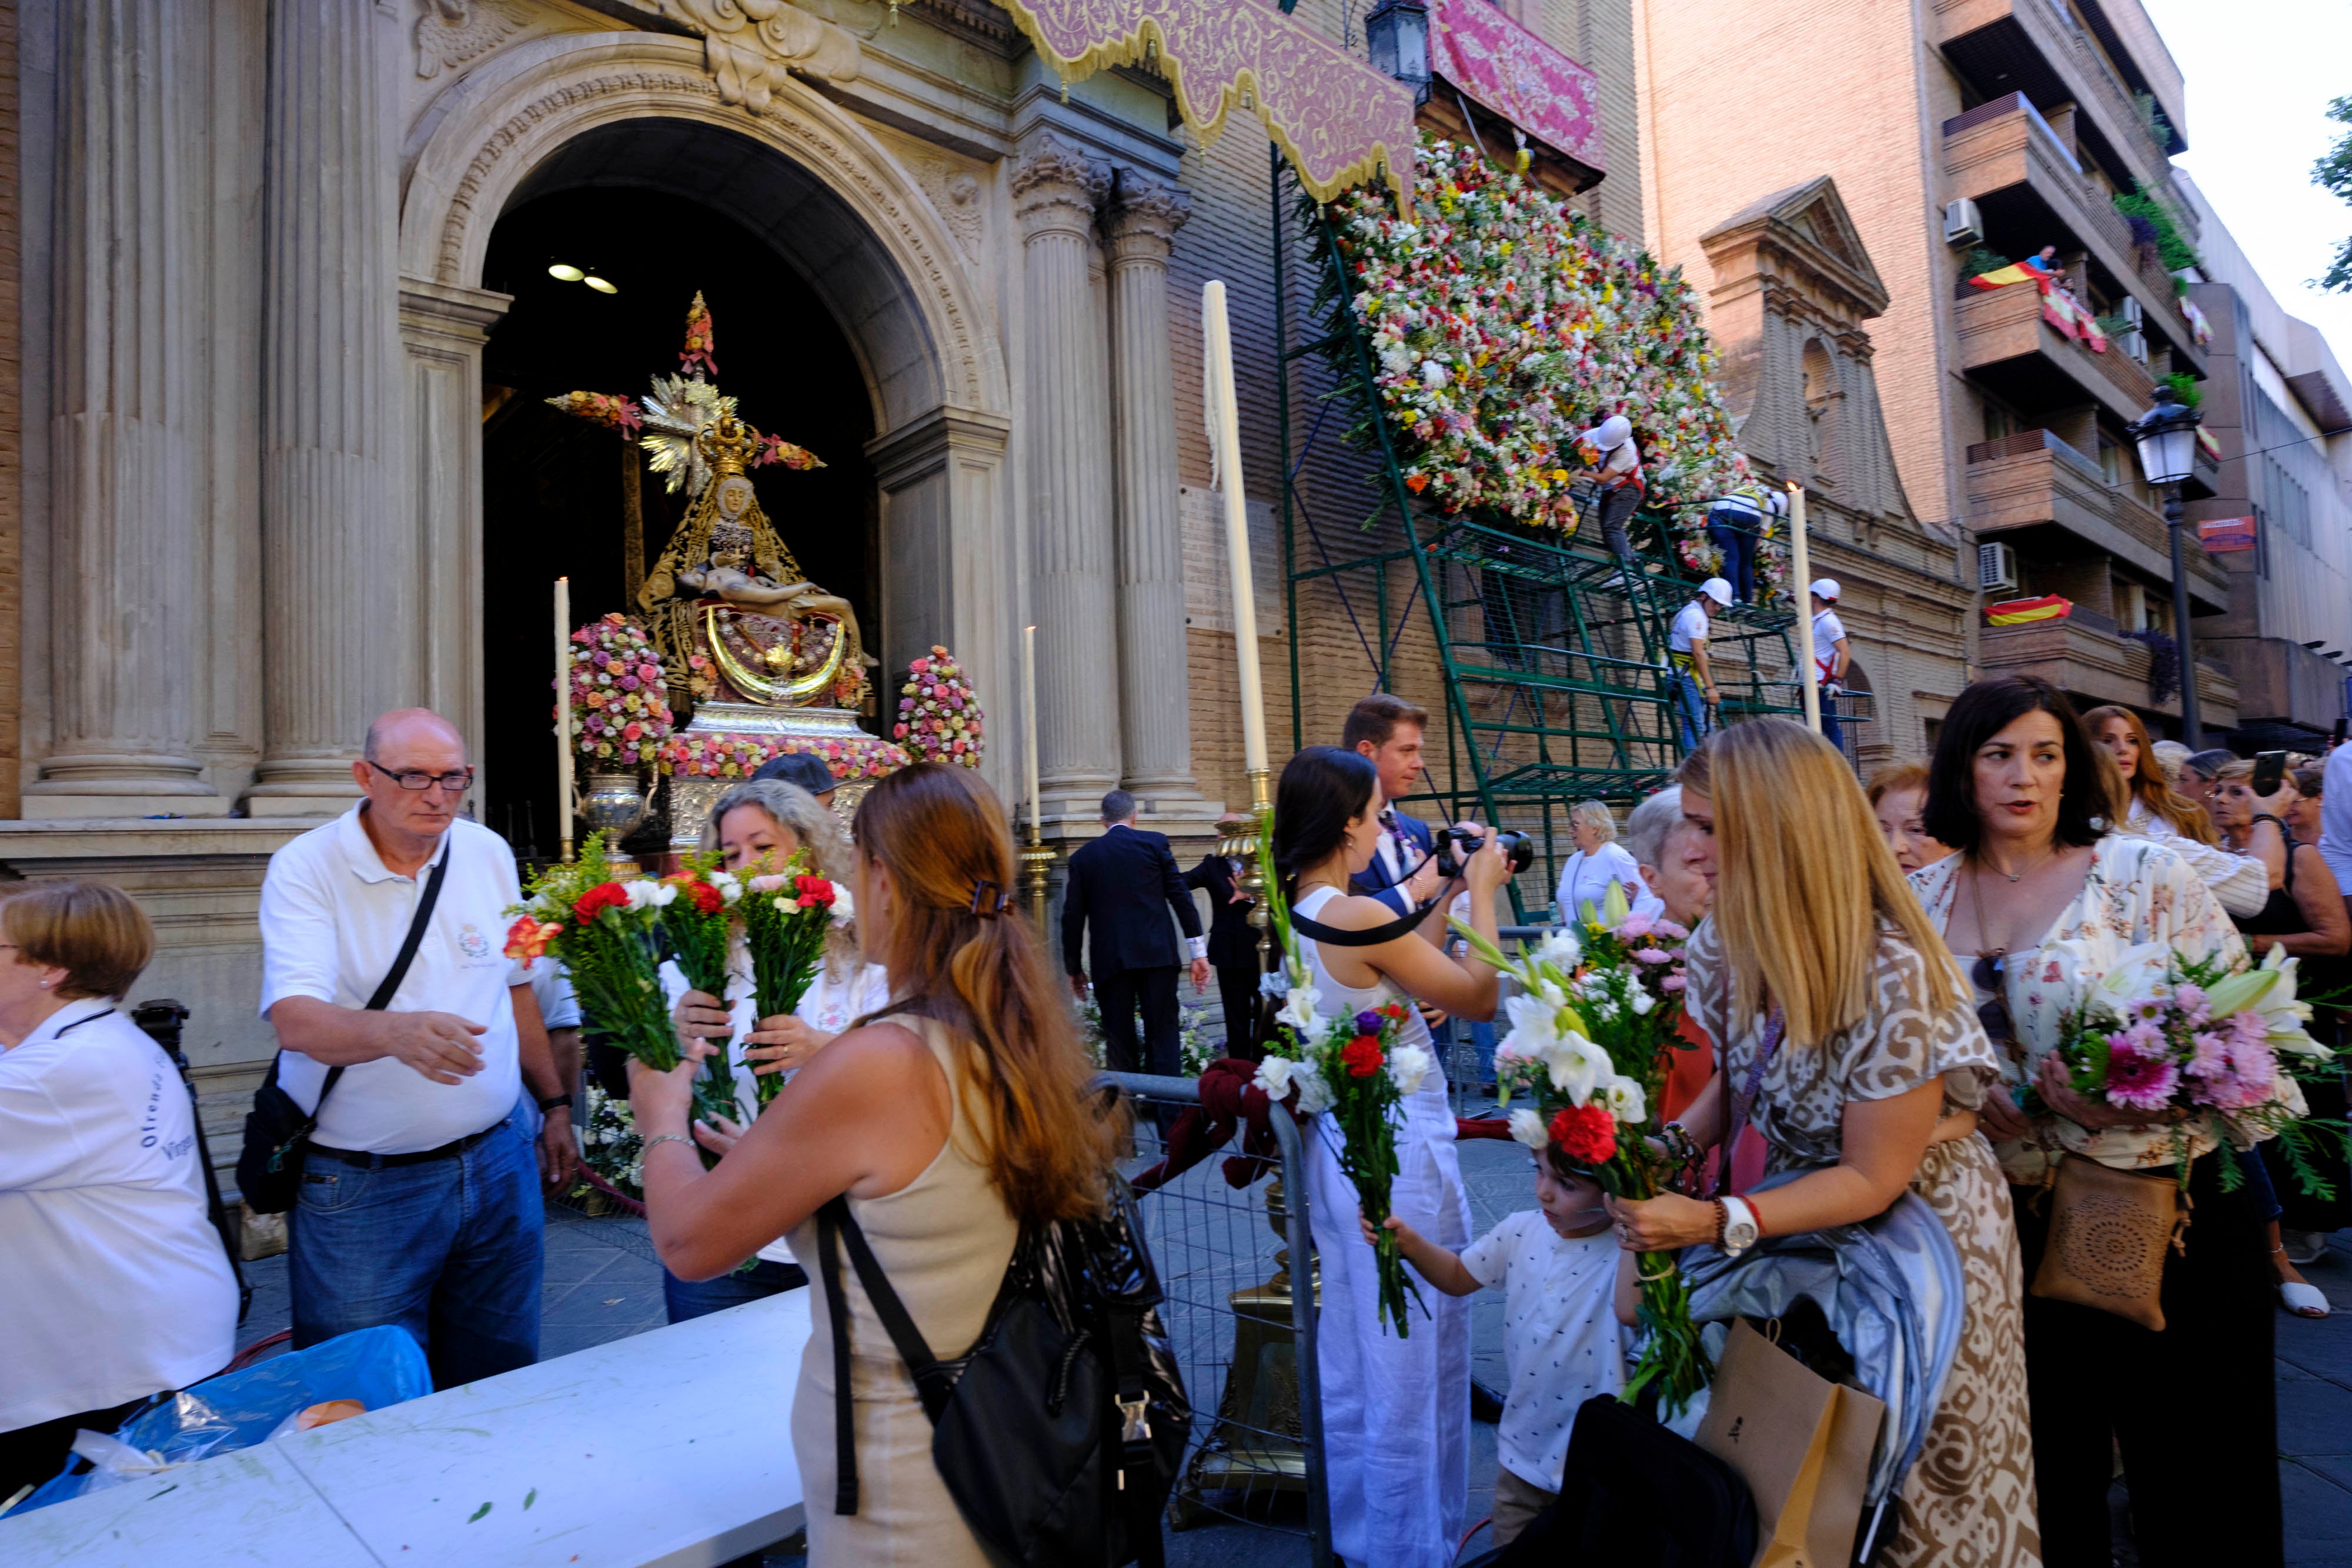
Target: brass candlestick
1036	873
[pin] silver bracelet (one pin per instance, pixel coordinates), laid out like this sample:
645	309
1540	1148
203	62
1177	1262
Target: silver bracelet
665	1138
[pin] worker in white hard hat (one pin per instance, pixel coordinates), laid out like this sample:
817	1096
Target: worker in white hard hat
1830	655
1614	456
1695	693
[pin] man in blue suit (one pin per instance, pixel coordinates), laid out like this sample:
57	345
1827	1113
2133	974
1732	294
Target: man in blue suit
1126	881
1389	729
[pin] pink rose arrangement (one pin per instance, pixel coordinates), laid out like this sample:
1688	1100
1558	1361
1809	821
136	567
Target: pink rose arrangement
724	755
938	715
620	704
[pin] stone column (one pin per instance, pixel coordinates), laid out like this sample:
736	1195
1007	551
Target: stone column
1064	435
340	565
127	431
1153	699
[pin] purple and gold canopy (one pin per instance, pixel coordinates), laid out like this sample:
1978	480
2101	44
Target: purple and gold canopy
1519	76
1340	121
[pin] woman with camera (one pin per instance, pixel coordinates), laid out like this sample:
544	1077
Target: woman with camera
1396	1411
116	1286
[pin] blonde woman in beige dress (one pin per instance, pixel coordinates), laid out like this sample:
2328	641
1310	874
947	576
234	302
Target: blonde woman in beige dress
1874	1089
947	1121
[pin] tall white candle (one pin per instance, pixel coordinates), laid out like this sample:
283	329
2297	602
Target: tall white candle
564	714
1800	575
1029	742
1225	433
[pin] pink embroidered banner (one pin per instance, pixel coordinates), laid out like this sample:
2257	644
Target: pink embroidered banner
1340	121
1474	45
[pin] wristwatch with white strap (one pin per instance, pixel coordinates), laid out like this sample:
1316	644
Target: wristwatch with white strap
1739	1229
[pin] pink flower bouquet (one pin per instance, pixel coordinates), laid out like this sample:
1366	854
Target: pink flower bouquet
619	705
939	714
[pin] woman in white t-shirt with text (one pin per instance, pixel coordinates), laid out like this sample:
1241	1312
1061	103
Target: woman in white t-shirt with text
1598	861
757	826
115	1286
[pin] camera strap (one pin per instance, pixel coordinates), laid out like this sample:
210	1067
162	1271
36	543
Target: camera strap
1372	938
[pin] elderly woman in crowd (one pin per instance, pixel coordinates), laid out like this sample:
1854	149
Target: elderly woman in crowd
1898	798
2155	809
2039	904
1598	861
1676	869
116	1286
758	827
1846	1031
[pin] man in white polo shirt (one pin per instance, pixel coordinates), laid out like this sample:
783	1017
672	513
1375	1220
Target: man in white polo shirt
419	1204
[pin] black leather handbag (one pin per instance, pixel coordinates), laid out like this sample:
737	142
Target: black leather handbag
269	1164
1058	1434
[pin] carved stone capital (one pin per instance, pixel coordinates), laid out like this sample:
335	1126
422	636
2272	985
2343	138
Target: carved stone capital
1057	188
1142	222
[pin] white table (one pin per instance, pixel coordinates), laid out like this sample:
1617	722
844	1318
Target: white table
672	1448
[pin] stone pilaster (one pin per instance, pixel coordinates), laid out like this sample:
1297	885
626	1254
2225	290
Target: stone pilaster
1064	436
341	568
126	429
1142	226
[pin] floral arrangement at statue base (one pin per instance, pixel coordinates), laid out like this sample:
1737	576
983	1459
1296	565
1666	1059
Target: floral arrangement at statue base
1352	1070
720	754
1503	323
939	714
619	713
2166	1036
1588	1037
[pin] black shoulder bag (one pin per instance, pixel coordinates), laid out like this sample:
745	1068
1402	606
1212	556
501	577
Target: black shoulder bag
1058	1434
269	1165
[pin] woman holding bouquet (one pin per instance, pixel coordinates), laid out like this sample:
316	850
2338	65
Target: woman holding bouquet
2040	904
758	827
947	1124
1848	1043
1396	1410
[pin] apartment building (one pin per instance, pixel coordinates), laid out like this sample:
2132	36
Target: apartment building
1964	135
2281	409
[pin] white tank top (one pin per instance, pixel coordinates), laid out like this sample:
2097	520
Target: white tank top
1339	1001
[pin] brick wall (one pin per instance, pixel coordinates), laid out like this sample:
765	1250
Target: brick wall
12	496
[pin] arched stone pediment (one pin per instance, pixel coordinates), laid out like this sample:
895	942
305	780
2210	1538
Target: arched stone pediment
835	204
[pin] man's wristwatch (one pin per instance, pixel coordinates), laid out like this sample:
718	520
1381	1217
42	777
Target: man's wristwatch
1736	1228
552	1100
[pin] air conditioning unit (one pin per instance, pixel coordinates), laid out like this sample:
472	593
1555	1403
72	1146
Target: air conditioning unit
2129	309
1996	569
1963	224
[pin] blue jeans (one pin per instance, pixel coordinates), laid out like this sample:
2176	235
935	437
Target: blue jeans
1832	730
1690	710
1733	532
701	1297
449	1250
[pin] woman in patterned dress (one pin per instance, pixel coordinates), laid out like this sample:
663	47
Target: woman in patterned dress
2039	904
1872	1088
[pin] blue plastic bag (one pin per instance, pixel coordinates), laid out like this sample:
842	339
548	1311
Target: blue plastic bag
377	1367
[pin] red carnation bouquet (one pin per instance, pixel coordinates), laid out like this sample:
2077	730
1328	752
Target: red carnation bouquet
607	935
786	919
695	925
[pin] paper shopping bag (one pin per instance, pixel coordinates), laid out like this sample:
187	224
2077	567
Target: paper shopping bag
1801	1442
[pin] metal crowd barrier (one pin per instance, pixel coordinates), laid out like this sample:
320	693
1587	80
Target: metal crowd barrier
1244	1337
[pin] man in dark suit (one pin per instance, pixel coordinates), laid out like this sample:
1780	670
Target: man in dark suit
1232	940
1125	883
1388	729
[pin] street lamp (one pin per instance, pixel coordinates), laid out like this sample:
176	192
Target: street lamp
1396	34
2167	438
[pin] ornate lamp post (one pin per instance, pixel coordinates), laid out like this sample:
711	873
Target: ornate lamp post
2167	438
1396	34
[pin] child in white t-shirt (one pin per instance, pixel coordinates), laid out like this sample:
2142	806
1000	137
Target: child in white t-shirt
1556	1264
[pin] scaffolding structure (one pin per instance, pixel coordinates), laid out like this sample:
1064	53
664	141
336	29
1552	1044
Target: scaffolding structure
1553	656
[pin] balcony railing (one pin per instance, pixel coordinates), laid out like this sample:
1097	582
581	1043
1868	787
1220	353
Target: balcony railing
2036	44
2003	327
2033	479
2076	656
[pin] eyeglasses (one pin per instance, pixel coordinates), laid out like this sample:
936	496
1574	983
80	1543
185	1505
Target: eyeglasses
456	783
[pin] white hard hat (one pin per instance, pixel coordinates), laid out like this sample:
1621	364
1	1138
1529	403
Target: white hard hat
1611	433
1825	588
1715	587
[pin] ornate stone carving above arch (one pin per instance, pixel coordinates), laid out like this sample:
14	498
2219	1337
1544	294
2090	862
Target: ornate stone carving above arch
495	128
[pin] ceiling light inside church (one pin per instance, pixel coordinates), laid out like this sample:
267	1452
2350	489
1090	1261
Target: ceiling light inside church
566	271
599	285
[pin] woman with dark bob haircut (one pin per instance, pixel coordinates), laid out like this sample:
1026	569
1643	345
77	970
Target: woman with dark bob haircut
2039	905
1396	1411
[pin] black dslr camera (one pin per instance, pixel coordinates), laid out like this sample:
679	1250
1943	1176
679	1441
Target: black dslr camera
1451	846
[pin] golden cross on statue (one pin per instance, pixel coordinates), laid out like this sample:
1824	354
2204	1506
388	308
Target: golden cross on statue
691	430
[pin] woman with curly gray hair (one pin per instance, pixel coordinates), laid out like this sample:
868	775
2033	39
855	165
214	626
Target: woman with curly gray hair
759	827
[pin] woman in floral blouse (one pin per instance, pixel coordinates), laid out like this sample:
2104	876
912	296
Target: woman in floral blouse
2038	905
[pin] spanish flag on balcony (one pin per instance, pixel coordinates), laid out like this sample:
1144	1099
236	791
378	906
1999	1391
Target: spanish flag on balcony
2017	612
2015	272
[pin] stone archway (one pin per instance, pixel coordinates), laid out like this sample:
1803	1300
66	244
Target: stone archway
841	211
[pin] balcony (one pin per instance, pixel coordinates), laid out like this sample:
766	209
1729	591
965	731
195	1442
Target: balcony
2034	481
2033	47
2030	187
2007	347
2083	655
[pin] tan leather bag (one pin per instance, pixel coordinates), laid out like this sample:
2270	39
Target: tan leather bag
1802	1443
2109	1232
